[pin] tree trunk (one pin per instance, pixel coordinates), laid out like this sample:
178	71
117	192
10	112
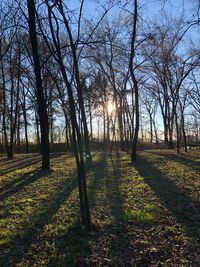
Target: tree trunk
4	106
78	152
104	125
25	125
90	116
76	134
151	128
79	86
121	131
135	83
137	123
155	131
177	134
183	130
42	110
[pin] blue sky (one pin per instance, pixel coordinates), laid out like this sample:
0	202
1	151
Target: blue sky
149	8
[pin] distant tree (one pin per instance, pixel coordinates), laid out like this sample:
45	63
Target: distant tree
150	105
168	71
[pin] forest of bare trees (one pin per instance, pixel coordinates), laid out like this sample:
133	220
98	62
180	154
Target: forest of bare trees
115	80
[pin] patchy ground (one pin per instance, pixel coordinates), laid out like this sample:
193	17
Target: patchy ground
146	215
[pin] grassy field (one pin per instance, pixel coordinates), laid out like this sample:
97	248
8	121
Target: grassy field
143	215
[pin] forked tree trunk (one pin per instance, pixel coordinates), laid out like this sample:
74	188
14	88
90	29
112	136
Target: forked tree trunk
78	83
76	134
78	152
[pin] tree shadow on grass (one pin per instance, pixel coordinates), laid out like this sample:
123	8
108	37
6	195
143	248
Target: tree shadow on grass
5	160
107	245
108	229
117	243
19	181
185	209
18	163
18	184
75	244
121	245
182	159
19	166
94	181
17	249
113	233
118	238
113	188
24	163
106	178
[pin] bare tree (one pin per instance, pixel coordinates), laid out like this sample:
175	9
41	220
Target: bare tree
135	82
42	111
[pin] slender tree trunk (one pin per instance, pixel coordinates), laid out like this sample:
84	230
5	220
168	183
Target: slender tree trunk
25	123
67	130
98	131
177	134
90	116
171	129
10	155
166	130
51	125
151	128
155	131
183	130
107	127
18	138
135	83
121	128
78	152
37	129
4	116
78	83
26	133
104	125
76	134
4	127
137	121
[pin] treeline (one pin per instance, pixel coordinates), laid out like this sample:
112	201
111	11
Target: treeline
106	75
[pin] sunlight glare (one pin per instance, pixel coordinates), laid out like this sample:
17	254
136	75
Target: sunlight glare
110	107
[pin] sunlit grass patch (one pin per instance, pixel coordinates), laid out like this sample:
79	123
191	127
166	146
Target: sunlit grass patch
5	235
150	213
4	240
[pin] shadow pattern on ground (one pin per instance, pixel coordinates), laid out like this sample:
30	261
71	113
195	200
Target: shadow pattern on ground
185	209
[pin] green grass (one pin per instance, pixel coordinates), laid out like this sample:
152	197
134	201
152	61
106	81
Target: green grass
148	214
142	215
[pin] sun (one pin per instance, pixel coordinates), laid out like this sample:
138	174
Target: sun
110	107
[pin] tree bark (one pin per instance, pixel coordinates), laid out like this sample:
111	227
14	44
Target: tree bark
135	83
42	110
